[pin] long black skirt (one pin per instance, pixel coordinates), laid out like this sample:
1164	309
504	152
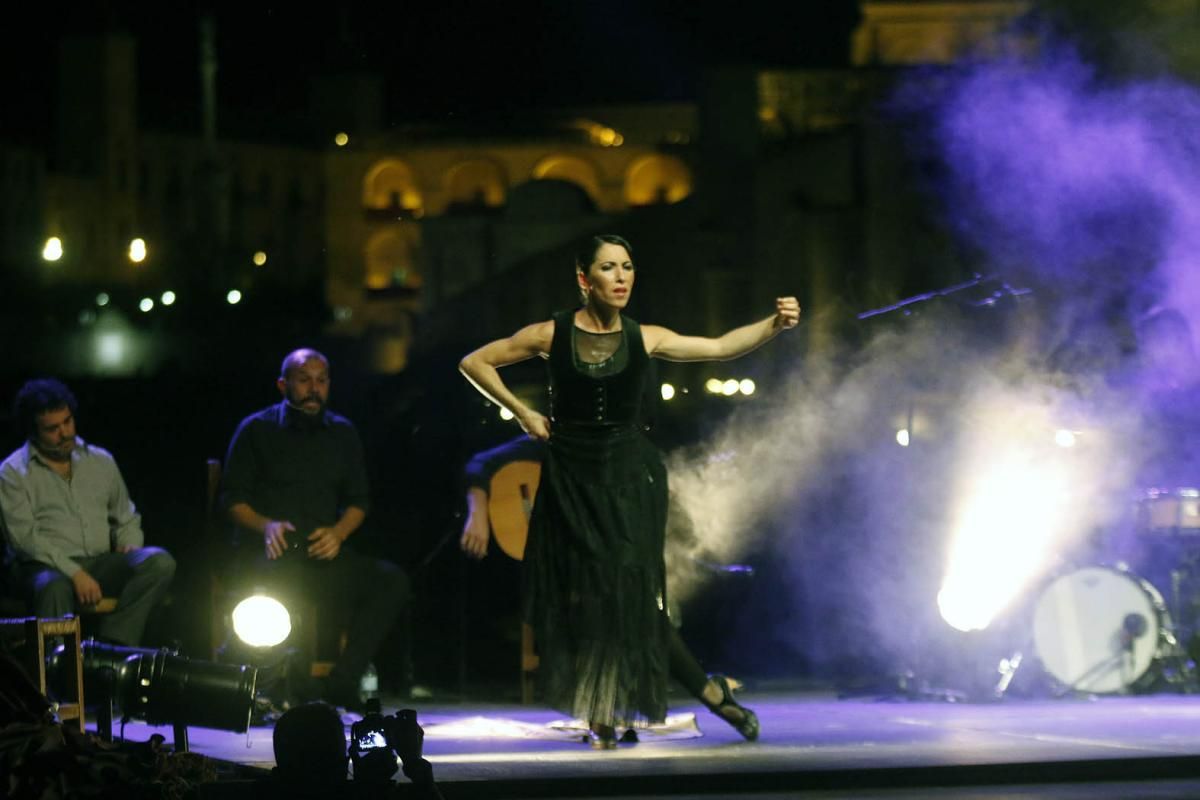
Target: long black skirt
594	579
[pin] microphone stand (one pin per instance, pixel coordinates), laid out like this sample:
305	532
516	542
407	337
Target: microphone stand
990	300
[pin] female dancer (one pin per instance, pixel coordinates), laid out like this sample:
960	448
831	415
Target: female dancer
595	580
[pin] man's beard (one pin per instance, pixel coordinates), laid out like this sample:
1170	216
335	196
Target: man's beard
298	403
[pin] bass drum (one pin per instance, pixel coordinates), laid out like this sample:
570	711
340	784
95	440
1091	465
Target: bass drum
1102	630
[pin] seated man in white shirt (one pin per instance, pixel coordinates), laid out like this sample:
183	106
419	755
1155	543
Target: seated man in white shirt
72	531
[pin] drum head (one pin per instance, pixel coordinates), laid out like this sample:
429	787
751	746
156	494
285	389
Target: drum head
1097	629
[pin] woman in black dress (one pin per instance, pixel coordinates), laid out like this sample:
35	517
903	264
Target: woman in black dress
594	580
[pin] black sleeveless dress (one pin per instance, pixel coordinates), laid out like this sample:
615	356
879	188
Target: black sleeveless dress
595	580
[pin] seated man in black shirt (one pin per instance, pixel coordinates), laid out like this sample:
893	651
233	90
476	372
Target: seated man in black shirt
295	484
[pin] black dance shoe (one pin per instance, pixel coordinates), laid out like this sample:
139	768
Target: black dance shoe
601	737
743	720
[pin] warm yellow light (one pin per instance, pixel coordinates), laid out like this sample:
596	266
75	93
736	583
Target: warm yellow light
747	386
714	385
137	250
260	258
53	249
234	297
341	139
145	304
729	388
668	391
505	414
618	140
261	621
168	298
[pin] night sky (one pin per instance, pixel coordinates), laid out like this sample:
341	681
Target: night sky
440	60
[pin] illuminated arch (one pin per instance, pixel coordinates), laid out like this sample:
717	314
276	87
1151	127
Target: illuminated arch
390	184
572	169
476	182
391	260
657	179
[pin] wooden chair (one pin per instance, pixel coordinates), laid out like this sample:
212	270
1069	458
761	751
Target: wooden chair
31	636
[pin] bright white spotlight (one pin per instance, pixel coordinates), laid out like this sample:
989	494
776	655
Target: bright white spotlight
729	388
102	299
902	437
1016	511
713	385
1064	438
746	386
234	297
668	391
137	250
53	249
145	304
261	621
168	298
505	414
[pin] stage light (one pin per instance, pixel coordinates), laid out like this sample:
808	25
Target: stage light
145	305
234	297
341	139
261	621
260	258
137	250
729	388
713	385
102	299
505	414
161	687
902	437
746	386
110	348
1016	510
168	298
53	249
1064	438
668	391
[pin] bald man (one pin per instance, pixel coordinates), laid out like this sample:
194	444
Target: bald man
295	486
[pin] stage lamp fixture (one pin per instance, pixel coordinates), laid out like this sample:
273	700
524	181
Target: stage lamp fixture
145	305
260	258
261	621
902	437
713	385
137	250
168	298
341	139
668	391
747	386
53	249
234	297
729	388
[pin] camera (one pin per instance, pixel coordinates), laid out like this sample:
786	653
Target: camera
377	740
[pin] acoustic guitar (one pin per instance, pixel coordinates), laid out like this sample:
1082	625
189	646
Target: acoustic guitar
510	502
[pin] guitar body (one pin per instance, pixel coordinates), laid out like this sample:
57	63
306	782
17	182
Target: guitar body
510	502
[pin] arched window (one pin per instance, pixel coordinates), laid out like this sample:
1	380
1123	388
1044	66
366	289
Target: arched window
475	183
657	179
569	168
389	186
391	261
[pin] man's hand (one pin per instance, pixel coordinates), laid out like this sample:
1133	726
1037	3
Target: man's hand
475	534
326	543
275	537
87	590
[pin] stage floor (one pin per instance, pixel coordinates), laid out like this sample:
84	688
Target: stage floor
811	743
